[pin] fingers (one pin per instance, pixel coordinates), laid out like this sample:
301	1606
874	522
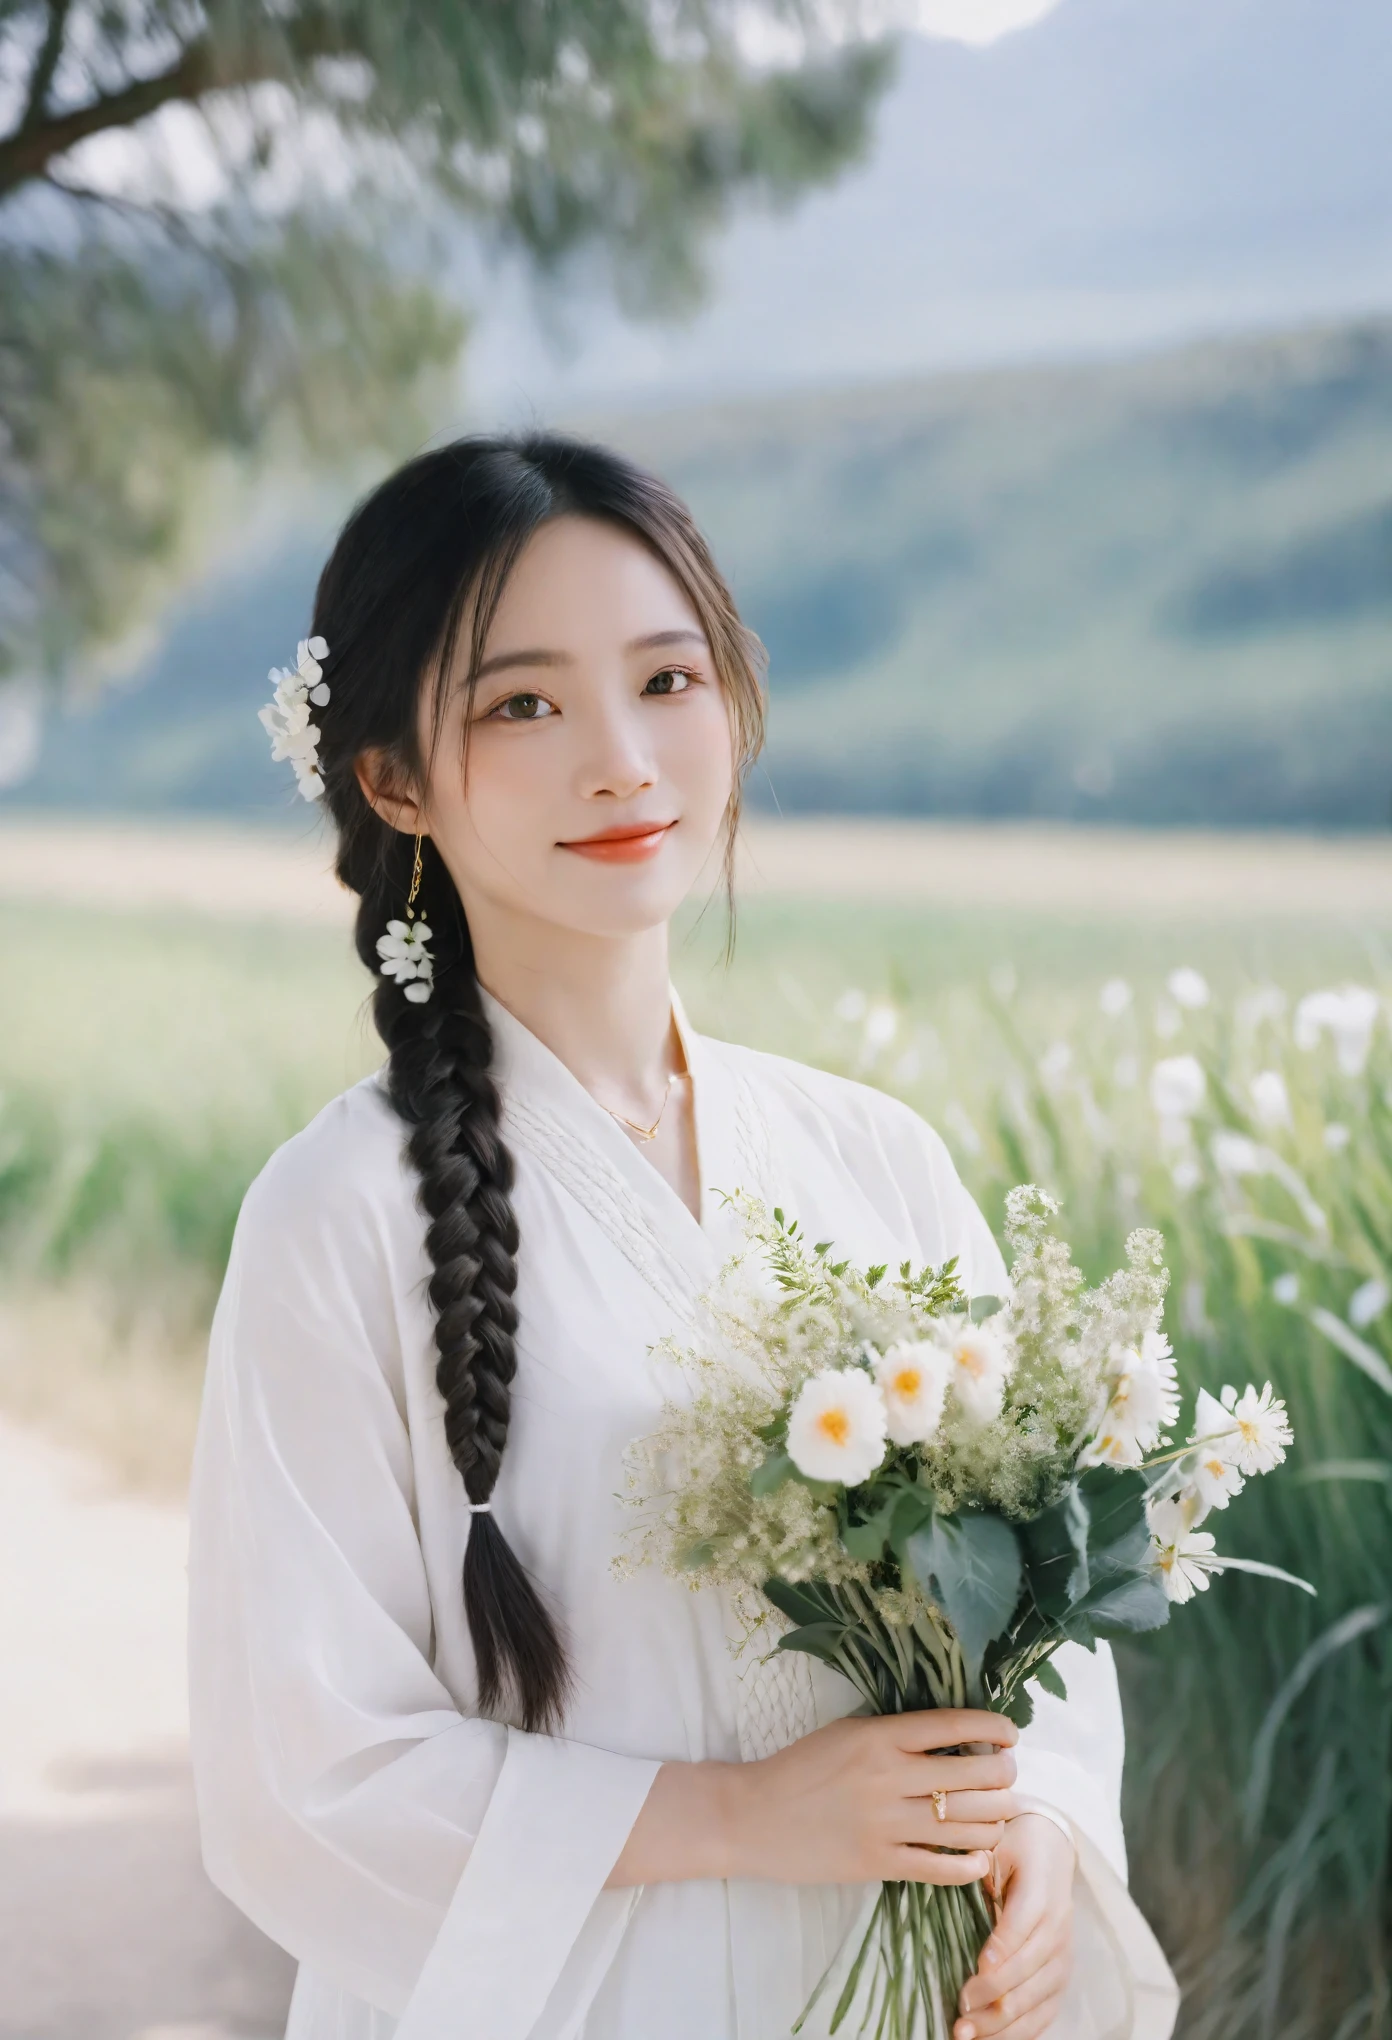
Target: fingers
969	1806
926	1831
944	1728
933	1866
1026	1906
923	1775
1022	2012
993	1979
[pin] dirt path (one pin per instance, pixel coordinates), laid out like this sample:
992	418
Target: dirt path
108	1928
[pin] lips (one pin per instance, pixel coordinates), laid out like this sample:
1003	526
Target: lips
631	845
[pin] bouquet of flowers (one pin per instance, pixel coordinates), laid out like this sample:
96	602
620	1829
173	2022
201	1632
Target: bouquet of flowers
931	1492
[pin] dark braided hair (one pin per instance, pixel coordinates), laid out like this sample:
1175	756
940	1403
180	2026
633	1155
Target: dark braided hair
420	560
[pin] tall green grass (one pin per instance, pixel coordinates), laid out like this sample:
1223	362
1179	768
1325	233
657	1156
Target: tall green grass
147	1067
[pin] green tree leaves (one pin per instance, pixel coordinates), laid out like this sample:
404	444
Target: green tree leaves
146	334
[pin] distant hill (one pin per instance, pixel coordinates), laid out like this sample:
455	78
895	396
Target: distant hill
1157	590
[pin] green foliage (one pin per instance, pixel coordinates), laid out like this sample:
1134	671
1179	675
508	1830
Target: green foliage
149	334
1156	590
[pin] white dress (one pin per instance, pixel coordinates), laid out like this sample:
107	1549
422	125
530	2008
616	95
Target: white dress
438	1875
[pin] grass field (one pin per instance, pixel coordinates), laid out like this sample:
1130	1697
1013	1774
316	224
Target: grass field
150	1061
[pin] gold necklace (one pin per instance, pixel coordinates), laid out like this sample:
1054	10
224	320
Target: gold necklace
645	1132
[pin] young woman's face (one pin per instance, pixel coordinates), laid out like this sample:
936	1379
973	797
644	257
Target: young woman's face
599	760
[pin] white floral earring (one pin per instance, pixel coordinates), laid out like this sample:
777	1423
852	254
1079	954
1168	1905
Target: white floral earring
402	949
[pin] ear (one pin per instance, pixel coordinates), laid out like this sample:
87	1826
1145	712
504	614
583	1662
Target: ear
386	791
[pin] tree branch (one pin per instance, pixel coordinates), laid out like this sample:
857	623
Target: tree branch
46	64
202	68
28	152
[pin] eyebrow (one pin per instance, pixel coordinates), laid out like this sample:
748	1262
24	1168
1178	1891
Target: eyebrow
539	655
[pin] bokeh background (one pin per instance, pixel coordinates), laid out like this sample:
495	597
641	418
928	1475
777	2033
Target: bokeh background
1030	366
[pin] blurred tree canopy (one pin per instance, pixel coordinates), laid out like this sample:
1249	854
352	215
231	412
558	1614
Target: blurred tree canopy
228	225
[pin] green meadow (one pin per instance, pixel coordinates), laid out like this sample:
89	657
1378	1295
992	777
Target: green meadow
148	1064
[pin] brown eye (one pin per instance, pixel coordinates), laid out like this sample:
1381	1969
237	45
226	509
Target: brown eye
671	680
522	708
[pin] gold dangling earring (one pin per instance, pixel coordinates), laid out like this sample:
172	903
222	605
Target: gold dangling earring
402	949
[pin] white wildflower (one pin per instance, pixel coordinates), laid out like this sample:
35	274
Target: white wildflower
837	1427
1262	1430
1178	1087
406	959
1182	1555
287	719
1188	987
1055	1066
1212	1470
1186	1175
1144	1400
1270	1099
1114	997
1286	1288
912	1376
1235	1155
881	1026
1368	1301
980	1367
851	1005
1348	1015
1336	1137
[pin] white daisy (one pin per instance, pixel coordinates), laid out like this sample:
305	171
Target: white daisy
980	1368
1181	1555
837	1427
1212	1470
1263	1432
1144	1401
912	1376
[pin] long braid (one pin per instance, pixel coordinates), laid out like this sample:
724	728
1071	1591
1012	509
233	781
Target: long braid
440	1081
411	586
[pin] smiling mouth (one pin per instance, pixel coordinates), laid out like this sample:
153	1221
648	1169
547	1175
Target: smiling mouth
622	846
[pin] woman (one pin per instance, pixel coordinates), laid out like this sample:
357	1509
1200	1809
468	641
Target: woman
558	1802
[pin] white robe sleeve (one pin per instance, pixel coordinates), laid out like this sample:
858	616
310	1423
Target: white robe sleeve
384	1837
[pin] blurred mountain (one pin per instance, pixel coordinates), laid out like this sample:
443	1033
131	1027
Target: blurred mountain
1123	173
1154	590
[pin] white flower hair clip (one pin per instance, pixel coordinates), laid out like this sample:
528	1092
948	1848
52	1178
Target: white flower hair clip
293	734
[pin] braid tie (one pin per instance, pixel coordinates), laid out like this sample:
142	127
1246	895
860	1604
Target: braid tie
440	1082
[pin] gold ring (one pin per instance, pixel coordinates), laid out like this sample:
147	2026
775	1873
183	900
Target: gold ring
939	1800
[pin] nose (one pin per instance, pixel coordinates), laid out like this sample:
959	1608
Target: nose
616	760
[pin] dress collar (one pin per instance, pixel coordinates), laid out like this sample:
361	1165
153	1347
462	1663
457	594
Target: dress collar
543	1099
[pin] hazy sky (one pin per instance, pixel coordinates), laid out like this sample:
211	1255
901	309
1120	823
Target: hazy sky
1084	176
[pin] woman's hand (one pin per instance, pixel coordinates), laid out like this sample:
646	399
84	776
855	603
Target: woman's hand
1024	1968
851	1803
